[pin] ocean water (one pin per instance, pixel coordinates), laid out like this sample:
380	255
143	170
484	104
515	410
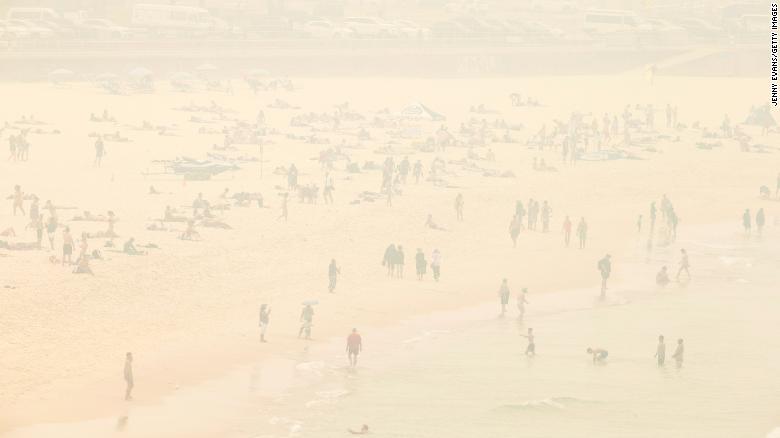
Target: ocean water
467	376
464	374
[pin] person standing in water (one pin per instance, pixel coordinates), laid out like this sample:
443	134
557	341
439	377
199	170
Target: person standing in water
582	232
100	151
265	318
354	347
746	221
420	263
333	272
521	302
307	315
567	231
129	382
530	349
679	352
459	206
503	293
436	264
660	351
684	264
605	267
760	220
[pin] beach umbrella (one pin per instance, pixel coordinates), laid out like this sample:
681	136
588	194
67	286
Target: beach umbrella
310	302
140	72
206	67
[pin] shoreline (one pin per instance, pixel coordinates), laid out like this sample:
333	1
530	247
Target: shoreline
303	369
161	390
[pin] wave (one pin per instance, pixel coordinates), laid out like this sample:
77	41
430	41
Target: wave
551	403
313	367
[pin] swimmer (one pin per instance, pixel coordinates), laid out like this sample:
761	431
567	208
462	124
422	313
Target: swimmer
363	430
599	354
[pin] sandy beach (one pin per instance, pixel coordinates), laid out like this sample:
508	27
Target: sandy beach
188	310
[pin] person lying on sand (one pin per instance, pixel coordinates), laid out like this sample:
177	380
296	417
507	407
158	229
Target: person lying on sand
214	223
170	215
432	225
18	246
8	232
86	216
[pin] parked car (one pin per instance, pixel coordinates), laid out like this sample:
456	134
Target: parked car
601	22
60	30
450	29
103	29
482	28
410	29
370	27
33	30
701	29
14	31
326	29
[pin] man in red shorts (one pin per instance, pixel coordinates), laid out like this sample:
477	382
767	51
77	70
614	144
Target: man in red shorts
354	347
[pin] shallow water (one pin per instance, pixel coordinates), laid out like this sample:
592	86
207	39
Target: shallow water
472	379
464	374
